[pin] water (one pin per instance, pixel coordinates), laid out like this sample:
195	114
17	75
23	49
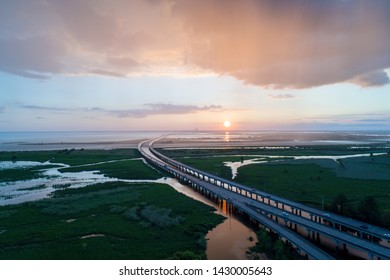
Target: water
34	141
229	240
19	141
52	179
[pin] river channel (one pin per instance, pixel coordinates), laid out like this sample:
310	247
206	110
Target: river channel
229	240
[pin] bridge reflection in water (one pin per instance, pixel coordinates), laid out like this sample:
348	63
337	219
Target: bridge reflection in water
308	229
231	239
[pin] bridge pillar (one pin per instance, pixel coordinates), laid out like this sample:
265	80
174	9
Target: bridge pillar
318	237
309	233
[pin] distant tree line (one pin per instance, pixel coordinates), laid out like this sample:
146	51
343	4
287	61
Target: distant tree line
367	210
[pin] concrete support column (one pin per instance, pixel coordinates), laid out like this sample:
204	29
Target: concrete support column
337	245
309	233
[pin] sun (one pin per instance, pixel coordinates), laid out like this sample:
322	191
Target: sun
227	124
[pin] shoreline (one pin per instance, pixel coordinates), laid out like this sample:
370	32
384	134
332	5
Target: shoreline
217	139
188	144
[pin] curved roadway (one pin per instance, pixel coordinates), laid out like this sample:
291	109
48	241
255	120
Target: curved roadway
259	210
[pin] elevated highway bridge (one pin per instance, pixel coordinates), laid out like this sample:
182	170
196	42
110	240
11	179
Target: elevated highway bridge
304	227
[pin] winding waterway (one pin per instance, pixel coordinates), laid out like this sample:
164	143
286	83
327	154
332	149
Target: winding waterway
231	239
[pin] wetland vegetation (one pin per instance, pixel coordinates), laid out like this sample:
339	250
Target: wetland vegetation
362	182
111	220
123	220
107	221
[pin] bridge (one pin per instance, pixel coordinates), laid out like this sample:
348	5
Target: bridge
302	226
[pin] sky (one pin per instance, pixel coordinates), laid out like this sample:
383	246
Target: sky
122	65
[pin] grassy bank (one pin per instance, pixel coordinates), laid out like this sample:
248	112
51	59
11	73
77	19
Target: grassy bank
107	221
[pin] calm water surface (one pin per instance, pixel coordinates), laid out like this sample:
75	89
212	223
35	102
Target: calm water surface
230	239
19	141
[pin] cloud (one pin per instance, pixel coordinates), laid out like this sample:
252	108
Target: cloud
148	110
164	109
101	72
372	79
279	44
2	109
352	119
295	44
282	96
36	57
42	38
46	108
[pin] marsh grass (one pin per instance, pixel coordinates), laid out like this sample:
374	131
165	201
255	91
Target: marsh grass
306	181
39	230
20	174
286	151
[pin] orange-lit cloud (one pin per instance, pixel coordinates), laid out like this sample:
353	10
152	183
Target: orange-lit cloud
298	43
278	44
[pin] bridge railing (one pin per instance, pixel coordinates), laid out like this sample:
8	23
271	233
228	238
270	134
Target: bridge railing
349	224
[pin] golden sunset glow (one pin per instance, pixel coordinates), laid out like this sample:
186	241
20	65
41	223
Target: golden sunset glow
227	124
